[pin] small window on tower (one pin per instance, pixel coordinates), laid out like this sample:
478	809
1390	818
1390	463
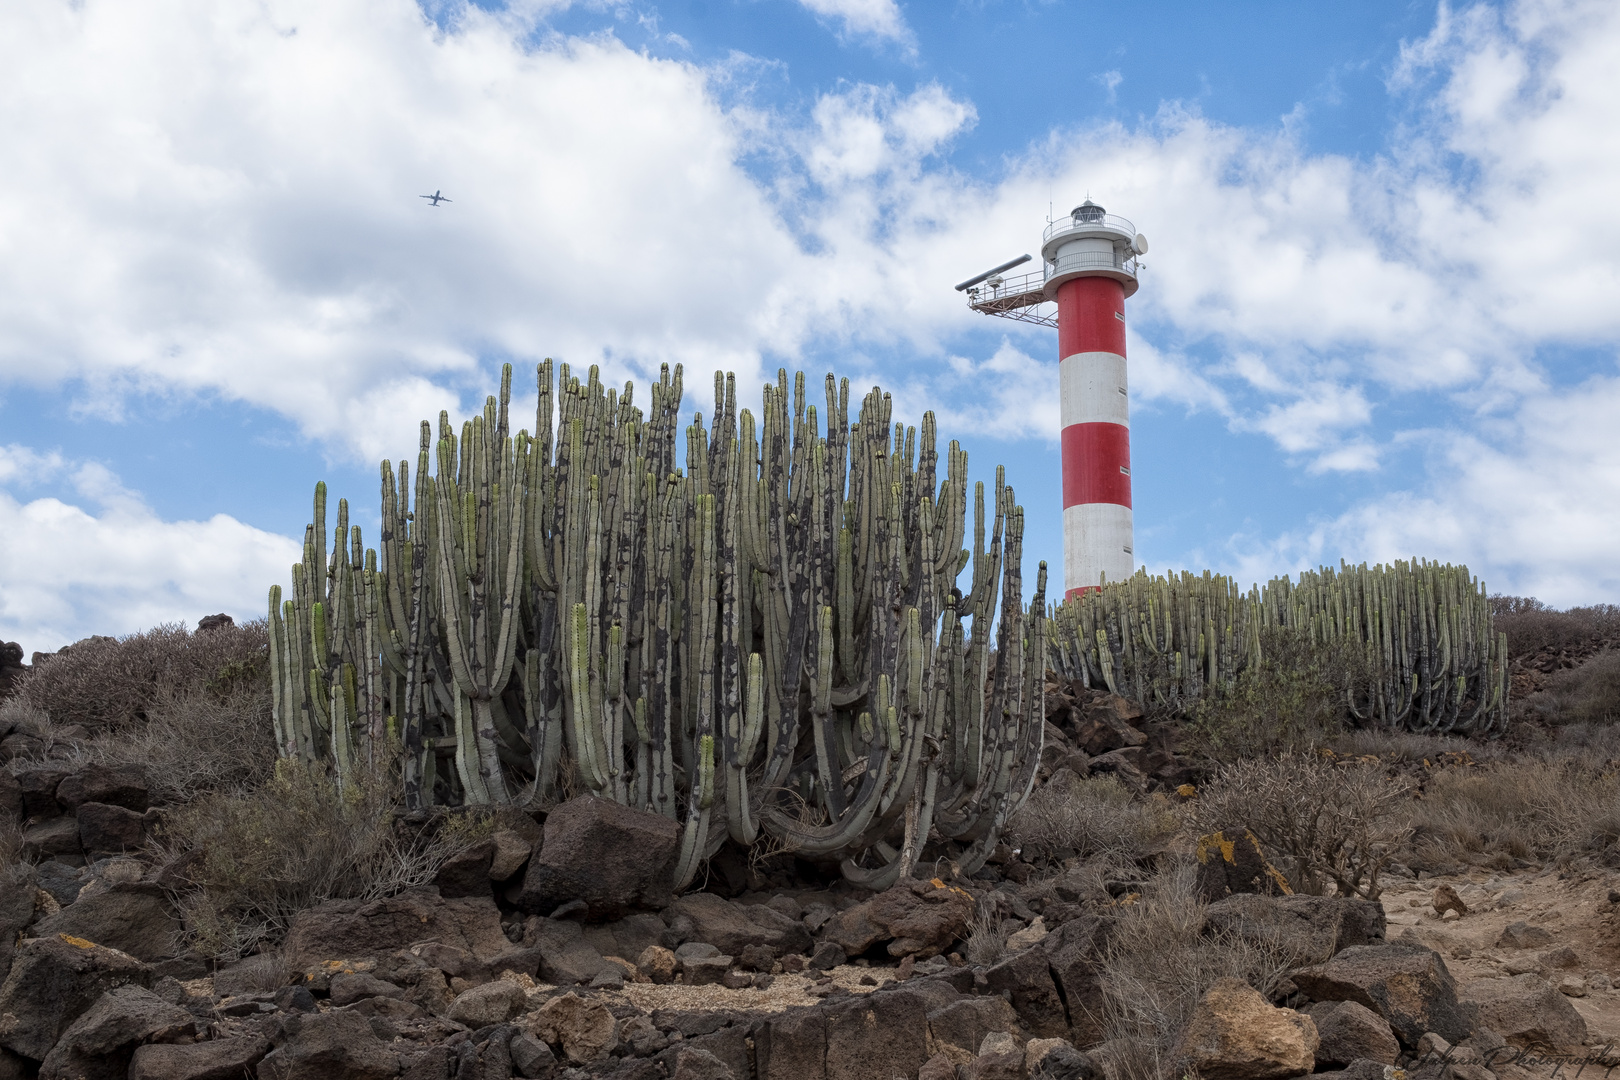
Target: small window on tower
1128	551
1124	470
1120	315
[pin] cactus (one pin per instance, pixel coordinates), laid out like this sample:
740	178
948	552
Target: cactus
1438	664
754	630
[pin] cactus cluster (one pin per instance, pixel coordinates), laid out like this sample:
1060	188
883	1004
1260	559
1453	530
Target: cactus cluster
1437	664
753	628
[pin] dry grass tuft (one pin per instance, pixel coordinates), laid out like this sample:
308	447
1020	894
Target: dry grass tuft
1528	810
986	938
1072	816
1587	694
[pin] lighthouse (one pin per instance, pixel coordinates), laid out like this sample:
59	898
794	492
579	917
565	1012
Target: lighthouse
1089	267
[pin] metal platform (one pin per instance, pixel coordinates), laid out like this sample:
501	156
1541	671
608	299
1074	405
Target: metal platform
1021	298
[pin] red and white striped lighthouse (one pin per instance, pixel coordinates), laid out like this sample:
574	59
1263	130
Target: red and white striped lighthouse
1089	268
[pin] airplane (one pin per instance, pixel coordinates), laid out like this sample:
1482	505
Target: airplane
434	198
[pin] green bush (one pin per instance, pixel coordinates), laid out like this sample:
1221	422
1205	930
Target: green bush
253	861
1294	701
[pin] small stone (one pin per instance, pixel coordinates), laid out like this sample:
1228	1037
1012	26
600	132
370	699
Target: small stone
793	963
1572	986
609	978
1521	935
491	1003
1029	935
736	980
1446	900
1600	982
827	956
764	980
705	971
657	964
867	980
695	950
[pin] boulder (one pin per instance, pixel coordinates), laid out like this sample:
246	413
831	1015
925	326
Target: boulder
1073	952
731	928
999	1058
1236	1034
566	958
348	987
111	785
1349	1031
55	980
105	829
916	918
878	1034
467	873
1233	861
657	964
531	1058
1308	928
38	785
1408	985
614	858
58	836
355	929
1102	728
338	1045
1060	1062
510	852
582	1027
1026	980
694	1064
1528	1013
965	1022
219	1059
1520	935
19	886
489	1004
61	880
99	1044
135	919
792	1045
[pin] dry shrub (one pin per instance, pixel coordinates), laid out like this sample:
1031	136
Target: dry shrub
1071	816
1294	701
1531	625
1530	810
105	682
197	743
1587	694
1160	961
255	860
1323	820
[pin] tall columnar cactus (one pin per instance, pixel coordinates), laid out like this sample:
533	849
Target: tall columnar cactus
1437	664
749	626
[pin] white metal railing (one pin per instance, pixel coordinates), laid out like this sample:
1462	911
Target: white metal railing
1001	288
1112	222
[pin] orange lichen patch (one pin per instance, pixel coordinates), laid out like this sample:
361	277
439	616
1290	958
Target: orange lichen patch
77	942
1187	791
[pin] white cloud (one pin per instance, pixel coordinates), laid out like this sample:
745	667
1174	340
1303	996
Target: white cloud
1535	513
223	199
874	18
68	572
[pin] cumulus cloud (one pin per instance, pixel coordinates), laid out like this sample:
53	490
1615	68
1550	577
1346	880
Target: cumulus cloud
223	200
862	18
117	567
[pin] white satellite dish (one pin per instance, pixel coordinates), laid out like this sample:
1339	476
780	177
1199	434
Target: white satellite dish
1139	245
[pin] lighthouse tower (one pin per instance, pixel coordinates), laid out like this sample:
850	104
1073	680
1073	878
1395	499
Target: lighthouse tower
1089	267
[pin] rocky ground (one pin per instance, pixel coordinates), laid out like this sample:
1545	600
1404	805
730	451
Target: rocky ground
553	949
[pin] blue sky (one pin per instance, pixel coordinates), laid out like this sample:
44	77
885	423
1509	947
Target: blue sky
1378	318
